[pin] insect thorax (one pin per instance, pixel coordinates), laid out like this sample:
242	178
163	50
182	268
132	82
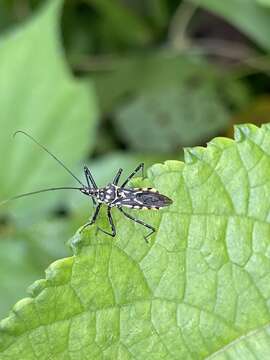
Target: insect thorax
107	195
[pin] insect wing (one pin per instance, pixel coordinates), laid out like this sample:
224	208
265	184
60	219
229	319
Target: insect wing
152	199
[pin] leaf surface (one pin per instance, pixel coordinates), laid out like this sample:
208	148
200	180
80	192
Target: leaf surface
199	290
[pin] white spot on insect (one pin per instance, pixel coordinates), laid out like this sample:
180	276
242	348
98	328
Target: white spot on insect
136	207
109	191
107	197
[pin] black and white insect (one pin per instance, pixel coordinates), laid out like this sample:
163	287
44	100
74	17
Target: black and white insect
111	195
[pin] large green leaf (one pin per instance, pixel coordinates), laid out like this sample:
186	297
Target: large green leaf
249	16
200	288
38	94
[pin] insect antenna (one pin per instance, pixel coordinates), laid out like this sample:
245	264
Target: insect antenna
37	192
48	152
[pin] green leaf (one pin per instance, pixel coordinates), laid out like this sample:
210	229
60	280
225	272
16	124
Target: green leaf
173	100
264	2
254	345
134	73
199	290
120	22
39	94
248	16
175	116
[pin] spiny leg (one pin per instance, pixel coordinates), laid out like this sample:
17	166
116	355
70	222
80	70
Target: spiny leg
94	217
113	233
139	222
138	168
90	181
117	177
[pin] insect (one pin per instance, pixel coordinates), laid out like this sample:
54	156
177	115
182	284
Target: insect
111	195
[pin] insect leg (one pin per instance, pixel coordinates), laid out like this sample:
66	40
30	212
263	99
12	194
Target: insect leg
139	222
94	217
138	168
117	177
113	233
90	181
89	178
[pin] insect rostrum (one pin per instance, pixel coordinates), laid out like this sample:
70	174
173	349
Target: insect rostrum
112	195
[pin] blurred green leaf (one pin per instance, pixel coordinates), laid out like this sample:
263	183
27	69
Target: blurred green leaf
167	119
158	11
128	76
120	22
248	16
264	2
200	289
169	97
39	94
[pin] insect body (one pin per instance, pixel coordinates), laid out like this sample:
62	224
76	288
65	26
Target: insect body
134	198
121	196
112	195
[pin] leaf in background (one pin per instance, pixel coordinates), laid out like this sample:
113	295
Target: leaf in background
39	94
248	16
169	97
167	119
130	75
118	23
263	2
201	287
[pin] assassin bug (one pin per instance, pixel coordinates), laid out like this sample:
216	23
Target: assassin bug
112	195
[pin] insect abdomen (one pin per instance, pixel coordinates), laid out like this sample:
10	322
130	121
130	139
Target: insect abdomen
146	198
150	199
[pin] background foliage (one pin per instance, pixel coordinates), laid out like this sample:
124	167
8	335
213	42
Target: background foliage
112	84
